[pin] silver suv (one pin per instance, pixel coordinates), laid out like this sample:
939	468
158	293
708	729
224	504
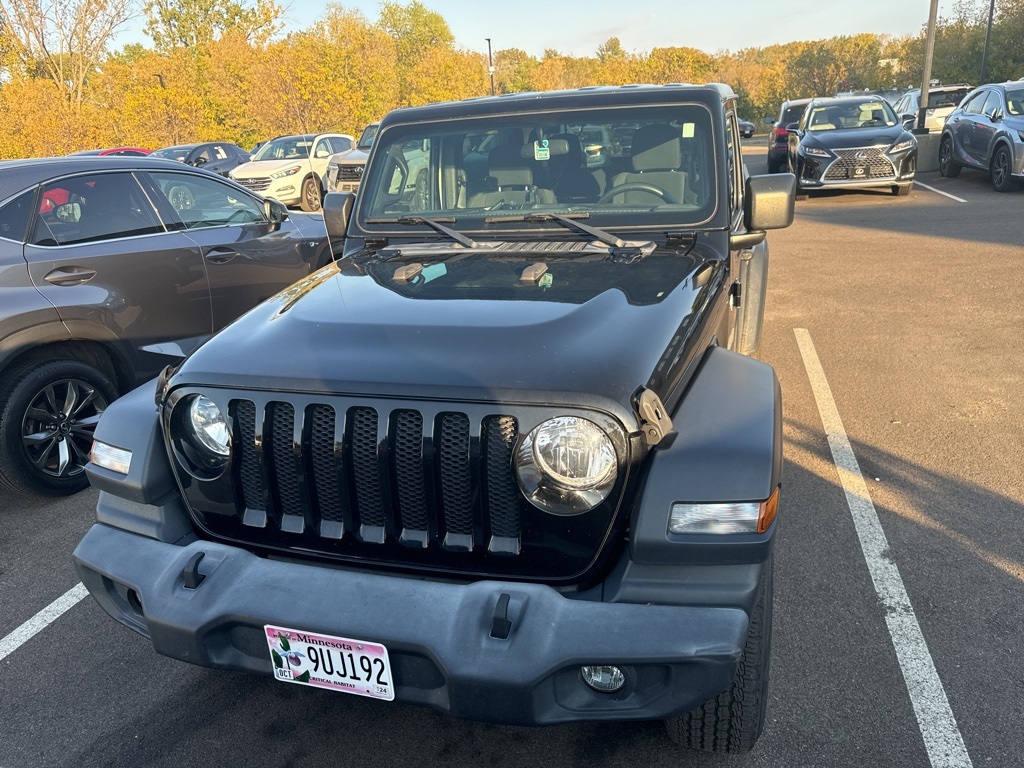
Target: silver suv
345	169
986	132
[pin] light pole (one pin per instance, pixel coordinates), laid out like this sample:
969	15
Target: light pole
988	39
929	51
490	64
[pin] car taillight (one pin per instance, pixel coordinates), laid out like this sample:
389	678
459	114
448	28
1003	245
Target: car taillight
780	131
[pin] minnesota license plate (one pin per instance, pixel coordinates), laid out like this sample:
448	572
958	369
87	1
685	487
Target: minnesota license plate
324	661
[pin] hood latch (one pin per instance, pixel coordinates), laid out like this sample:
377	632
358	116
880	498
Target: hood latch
654	420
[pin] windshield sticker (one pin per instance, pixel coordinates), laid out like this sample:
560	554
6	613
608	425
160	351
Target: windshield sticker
688	129
546	280
434	271
541	150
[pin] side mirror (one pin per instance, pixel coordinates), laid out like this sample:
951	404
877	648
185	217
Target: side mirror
337	208
199	161
769	203
276	212
793	127
997	115
908	121
769	121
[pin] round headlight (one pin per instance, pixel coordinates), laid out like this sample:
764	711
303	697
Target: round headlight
566	465
209	426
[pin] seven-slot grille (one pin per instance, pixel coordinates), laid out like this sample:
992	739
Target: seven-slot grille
872	159
258	184
366	475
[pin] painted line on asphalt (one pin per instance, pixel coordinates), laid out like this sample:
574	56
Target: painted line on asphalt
42	620
940	192
942	738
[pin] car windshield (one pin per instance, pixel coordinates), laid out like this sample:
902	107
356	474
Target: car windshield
173	153
286	148
946	98
1015	101
851	115
367	137
482	170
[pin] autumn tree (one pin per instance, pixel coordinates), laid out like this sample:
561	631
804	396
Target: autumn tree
194	23
62	40
514	71
416	31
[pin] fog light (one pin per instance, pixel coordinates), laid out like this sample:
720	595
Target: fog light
603	679
109	457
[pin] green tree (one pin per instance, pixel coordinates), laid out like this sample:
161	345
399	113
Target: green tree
195	23
515	71
416	30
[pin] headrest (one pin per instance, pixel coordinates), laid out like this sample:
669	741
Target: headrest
573	155
656	148
508	168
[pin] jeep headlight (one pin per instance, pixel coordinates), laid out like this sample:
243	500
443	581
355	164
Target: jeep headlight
208	427
286	172
566	465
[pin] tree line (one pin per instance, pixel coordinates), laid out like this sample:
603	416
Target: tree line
221	70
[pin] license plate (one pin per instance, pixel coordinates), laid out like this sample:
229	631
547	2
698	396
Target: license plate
324	661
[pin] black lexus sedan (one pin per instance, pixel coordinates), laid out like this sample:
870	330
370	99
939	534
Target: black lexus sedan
219	157
851	143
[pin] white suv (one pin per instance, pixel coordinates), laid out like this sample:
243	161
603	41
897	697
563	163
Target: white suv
292	169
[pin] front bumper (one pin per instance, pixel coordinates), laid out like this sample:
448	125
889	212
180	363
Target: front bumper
438	634
821	172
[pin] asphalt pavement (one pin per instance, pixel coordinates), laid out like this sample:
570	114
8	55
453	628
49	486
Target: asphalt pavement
914	308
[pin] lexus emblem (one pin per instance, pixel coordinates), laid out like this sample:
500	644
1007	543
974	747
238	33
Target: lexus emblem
862	155
359	169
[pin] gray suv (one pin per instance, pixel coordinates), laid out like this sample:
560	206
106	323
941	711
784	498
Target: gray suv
986	132
109	268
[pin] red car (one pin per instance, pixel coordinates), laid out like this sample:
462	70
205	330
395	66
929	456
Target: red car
126	151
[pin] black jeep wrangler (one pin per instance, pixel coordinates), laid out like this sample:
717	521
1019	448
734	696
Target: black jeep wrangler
507	456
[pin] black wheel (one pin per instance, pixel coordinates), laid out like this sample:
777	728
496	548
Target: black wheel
901	190
311	195
948	166
733	721
48	413
1001	170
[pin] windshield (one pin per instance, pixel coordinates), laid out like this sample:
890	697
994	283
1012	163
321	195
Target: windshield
369	134
285	148
946	98
661	170
173	153
1015	101
851	115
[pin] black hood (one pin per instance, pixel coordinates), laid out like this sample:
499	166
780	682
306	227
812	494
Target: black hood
471	329
854	137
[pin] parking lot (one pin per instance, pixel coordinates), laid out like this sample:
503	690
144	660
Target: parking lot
894	327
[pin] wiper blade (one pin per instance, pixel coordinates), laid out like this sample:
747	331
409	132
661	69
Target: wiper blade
569	221
438	225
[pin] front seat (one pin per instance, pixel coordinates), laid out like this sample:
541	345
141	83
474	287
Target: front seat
512	176
657	158
572	181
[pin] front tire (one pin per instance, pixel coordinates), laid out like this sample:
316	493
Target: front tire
311	199
733	721
948	166
1001	170
48	413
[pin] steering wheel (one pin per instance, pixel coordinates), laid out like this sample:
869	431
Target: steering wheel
637	186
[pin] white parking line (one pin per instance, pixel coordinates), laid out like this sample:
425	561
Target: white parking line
942	738
42	620
940	192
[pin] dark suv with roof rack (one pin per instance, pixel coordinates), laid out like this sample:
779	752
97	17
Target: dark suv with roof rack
508	457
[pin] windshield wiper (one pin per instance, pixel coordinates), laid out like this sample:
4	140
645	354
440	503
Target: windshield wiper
438	225
569	221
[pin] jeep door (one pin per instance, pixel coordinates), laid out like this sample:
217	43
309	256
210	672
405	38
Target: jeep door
98	251
248	258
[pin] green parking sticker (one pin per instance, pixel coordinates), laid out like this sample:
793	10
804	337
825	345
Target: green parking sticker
541	150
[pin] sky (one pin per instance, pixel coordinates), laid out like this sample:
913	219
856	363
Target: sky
577	28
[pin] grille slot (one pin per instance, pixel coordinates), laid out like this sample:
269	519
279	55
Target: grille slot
502	493
456	481
407	455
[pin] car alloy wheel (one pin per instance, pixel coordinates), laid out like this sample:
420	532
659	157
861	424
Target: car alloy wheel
58	426
1001	170
310	195
948	167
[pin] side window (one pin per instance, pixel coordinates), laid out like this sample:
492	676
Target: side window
322	149
201	202
973	107
340	144
992	102
93	207
14	217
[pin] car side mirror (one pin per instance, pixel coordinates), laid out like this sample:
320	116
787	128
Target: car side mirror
908	121
337	208
769	202
199	161
996	116
793	127
769	120
276	212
